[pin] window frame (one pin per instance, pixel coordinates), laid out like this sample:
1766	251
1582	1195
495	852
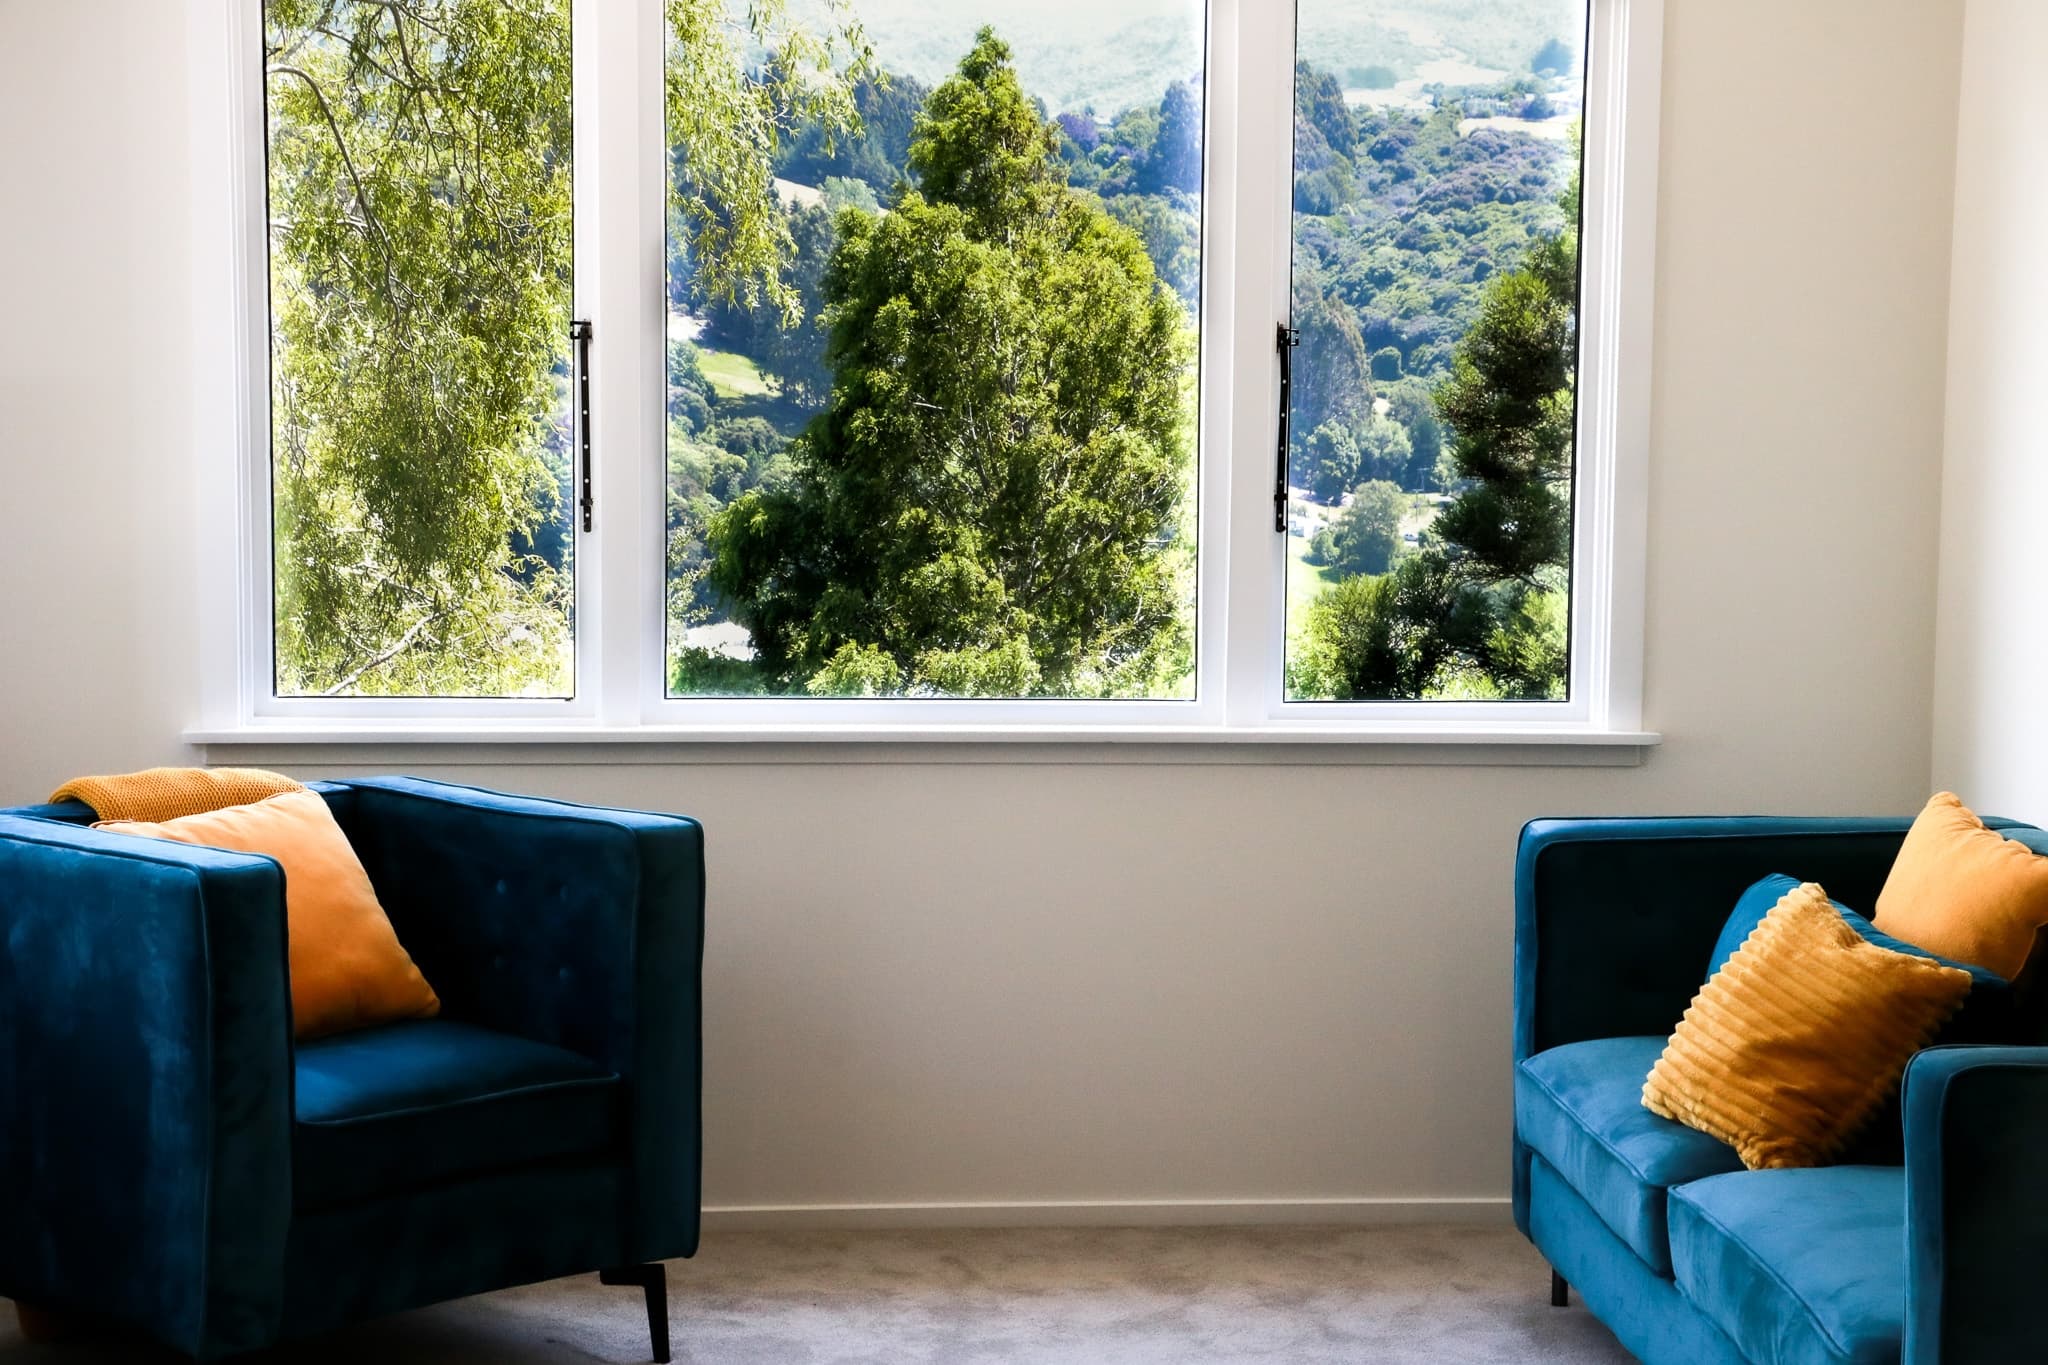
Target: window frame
620	649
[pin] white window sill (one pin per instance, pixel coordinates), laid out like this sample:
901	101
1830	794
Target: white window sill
360	742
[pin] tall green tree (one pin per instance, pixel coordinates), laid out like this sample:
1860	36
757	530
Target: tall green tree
421	267
995	500
1365	538
1482	612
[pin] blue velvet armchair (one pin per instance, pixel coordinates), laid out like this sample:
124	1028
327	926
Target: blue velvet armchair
1689	1258
171	1160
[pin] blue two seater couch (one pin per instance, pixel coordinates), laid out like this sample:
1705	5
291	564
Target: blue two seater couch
172	1161
1683	1253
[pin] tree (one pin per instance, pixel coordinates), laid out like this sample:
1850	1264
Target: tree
1330	462
1384	450
1332	373
1386	364
1484	610
1175	159
420	208
994	498
1366	537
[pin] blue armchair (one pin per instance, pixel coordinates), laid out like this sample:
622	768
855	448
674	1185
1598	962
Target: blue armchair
1685	1255
171	1160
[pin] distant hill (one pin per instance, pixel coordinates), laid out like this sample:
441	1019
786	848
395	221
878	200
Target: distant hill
1110	54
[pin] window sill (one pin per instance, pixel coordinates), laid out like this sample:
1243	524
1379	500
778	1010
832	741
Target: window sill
356	743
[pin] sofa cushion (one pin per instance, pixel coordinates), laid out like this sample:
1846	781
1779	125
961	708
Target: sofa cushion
1799	1267
1581	1107
426	1101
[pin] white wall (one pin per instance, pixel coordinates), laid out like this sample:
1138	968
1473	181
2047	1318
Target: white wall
1126	982
1991	656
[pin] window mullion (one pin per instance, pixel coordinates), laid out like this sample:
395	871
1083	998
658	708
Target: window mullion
618	211
1260	58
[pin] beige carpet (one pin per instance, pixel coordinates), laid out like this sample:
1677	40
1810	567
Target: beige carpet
1043	1296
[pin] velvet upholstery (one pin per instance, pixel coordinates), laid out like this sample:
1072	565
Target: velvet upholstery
411	1104
1976	1205
1580	1107
1938	1260
145	1081
1645	1310
1797	1267
149	1150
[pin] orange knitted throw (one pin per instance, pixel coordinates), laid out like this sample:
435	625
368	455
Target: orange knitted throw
158	794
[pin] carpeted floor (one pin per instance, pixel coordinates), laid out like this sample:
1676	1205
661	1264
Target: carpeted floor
1044	1296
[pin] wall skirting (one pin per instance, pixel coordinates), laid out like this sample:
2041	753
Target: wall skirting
1487	1212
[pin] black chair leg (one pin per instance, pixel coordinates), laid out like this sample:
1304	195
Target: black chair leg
1560	1292
653	1279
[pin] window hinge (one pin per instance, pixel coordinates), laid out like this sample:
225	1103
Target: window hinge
1285	340
579	336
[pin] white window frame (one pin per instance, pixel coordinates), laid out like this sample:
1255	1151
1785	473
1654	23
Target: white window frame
621	259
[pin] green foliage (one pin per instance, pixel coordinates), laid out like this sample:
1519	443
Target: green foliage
727	121
1384	451
1175	161
1332	374
997	496
420	286
1366	536
1172	234
1331	457
421	277
1386	364
856	671
1482	611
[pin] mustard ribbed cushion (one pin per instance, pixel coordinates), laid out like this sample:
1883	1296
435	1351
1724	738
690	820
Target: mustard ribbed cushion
1801	1037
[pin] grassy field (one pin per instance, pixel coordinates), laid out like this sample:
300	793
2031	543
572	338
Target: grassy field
1304	581
732	375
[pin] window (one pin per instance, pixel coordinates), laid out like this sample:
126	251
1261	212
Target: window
421	266
1068	363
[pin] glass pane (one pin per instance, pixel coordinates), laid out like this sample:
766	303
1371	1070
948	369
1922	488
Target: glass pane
420	290
1436	172
934	279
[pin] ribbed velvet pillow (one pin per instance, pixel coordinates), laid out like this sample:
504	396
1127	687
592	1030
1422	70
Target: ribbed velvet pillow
1801	1037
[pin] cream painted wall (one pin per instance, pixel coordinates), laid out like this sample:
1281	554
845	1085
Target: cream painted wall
1017	983
1990	733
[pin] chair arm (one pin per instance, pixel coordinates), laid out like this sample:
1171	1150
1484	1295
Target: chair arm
145	1083
1976	1205
572	925
1615	919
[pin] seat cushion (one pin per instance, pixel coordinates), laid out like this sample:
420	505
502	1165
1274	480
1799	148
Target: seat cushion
1798	1267
1581	1107
431	1100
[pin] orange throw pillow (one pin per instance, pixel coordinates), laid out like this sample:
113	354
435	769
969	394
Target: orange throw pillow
348	969
1965	892
1801	1036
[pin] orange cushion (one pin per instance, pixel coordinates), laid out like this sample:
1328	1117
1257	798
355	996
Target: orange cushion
1801	1036
1965	892
348	969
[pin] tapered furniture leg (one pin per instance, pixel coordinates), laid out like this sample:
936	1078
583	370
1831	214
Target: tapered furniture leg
1560	1292
653	1279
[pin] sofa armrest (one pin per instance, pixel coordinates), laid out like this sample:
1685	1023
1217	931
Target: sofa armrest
1615	919
1976	1205
573	925
145	1082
